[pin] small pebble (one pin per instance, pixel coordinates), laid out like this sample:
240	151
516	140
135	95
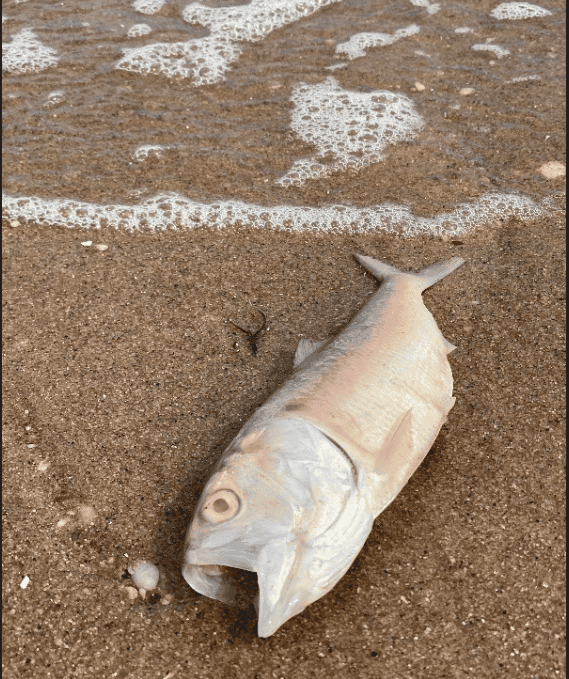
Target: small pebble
101	248
25	582
62	522
552	170
132	592
87	243
43	465
14	223
420	87
87	514
145	575
467	90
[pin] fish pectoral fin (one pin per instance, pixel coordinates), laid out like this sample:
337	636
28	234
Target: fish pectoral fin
398	446
304	349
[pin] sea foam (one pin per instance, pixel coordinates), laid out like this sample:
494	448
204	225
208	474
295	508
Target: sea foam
172	212
148	6
26	54
431	7
138	30
518	10
358	44
206	60
351	127
490	47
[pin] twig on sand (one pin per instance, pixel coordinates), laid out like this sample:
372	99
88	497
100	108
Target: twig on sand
252	336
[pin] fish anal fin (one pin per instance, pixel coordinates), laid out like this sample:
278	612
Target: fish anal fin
449	346
305	348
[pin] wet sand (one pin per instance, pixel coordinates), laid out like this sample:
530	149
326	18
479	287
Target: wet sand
123	381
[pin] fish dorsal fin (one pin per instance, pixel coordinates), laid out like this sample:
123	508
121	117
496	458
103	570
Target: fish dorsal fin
398	446
304	349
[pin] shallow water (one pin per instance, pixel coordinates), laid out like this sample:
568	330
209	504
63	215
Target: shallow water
446	105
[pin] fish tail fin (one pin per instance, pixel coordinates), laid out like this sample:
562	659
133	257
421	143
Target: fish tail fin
380	270
427	277
436	272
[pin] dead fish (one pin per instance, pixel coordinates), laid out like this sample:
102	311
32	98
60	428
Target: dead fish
295	494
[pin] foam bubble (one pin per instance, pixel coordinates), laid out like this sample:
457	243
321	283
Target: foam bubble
518	10
137	30
524	78
489	47
148	6
142	152
26	54
354	127
172	212
206	60
358	44
54	98
431	7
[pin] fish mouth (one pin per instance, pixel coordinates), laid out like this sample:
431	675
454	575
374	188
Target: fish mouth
233	586
268	584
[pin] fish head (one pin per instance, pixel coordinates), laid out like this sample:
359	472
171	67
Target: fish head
282	503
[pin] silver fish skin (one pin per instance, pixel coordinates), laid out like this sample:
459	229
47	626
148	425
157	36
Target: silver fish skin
295	494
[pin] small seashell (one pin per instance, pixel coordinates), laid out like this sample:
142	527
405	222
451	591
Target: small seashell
14	223
25	582
101	248
419	87
467	90
145	575
87	243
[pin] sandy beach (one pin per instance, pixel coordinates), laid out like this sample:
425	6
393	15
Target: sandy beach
123	382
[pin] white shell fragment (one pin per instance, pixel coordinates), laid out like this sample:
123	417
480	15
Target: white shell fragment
145	575
25	582
295	494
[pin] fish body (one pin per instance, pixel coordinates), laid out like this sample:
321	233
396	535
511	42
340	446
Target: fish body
295	494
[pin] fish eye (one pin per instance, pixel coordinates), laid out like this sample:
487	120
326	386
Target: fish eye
221	506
